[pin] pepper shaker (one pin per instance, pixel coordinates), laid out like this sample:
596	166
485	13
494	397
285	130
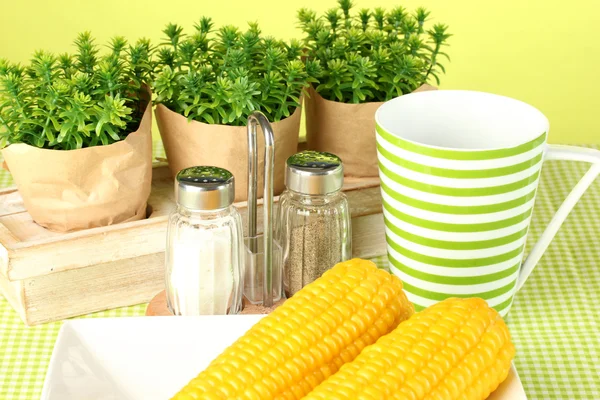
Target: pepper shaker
204	253
314	227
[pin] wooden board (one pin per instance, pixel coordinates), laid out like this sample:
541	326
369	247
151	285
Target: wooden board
48	276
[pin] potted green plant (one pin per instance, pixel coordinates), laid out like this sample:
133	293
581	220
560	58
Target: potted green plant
364	60
76	133
206	85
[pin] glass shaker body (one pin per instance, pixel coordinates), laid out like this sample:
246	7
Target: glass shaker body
204	256
314	226
315	233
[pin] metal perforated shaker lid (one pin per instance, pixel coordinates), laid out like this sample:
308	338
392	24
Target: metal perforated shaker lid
314	172
204	188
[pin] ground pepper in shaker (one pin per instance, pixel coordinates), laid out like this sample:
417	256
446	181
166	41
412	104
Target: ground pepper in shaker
314	227
204	253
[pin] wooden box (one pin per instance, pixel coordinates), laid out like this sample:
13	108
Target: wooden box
48	276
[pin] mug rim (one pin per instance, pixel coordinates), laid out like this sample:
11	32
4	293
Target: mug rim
440	150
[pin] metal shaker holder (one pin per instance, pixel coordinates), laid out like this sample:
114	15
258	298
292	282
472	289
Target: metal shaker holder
263	276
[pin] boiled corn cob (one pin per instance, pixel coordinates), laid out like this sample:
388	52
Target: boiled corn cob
456	349
308	338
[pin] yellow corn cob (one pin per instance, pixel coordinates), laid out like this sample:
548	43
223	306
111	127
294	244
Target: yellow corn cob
308	338
456	349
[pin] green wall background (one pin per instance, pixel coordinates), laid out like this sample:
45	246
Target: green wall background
544	52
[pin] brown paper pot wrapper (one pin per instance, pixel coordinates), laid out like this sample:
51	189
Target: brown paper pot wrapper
68	190
188	144
346	130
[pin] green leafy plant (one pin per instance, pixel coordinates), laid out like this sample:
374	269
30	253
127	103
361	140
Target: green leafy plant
374	55
72	101
220	77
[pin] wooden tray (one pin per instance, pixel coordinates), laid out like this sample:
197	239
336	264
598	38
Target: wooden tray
48	276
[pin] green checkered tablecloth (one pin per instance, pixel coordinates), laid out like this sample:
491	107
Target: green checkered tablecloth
554	320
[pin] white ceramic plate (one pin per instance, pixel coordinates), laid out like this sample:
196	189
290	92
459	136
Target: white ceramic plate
150	358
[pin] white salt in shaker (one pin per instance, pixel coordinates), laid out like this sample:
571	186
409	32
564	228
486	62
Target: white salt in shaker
204	254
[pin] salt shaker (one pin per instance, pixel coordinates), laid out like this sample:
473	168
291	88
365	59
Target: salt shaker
204	253
314	227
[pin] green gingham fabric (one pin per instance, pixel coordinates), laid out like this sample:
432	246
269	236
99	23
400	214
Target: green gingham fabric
554	320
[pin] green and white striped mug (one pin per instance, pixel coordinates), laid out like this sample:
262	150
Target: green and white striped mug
459	172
